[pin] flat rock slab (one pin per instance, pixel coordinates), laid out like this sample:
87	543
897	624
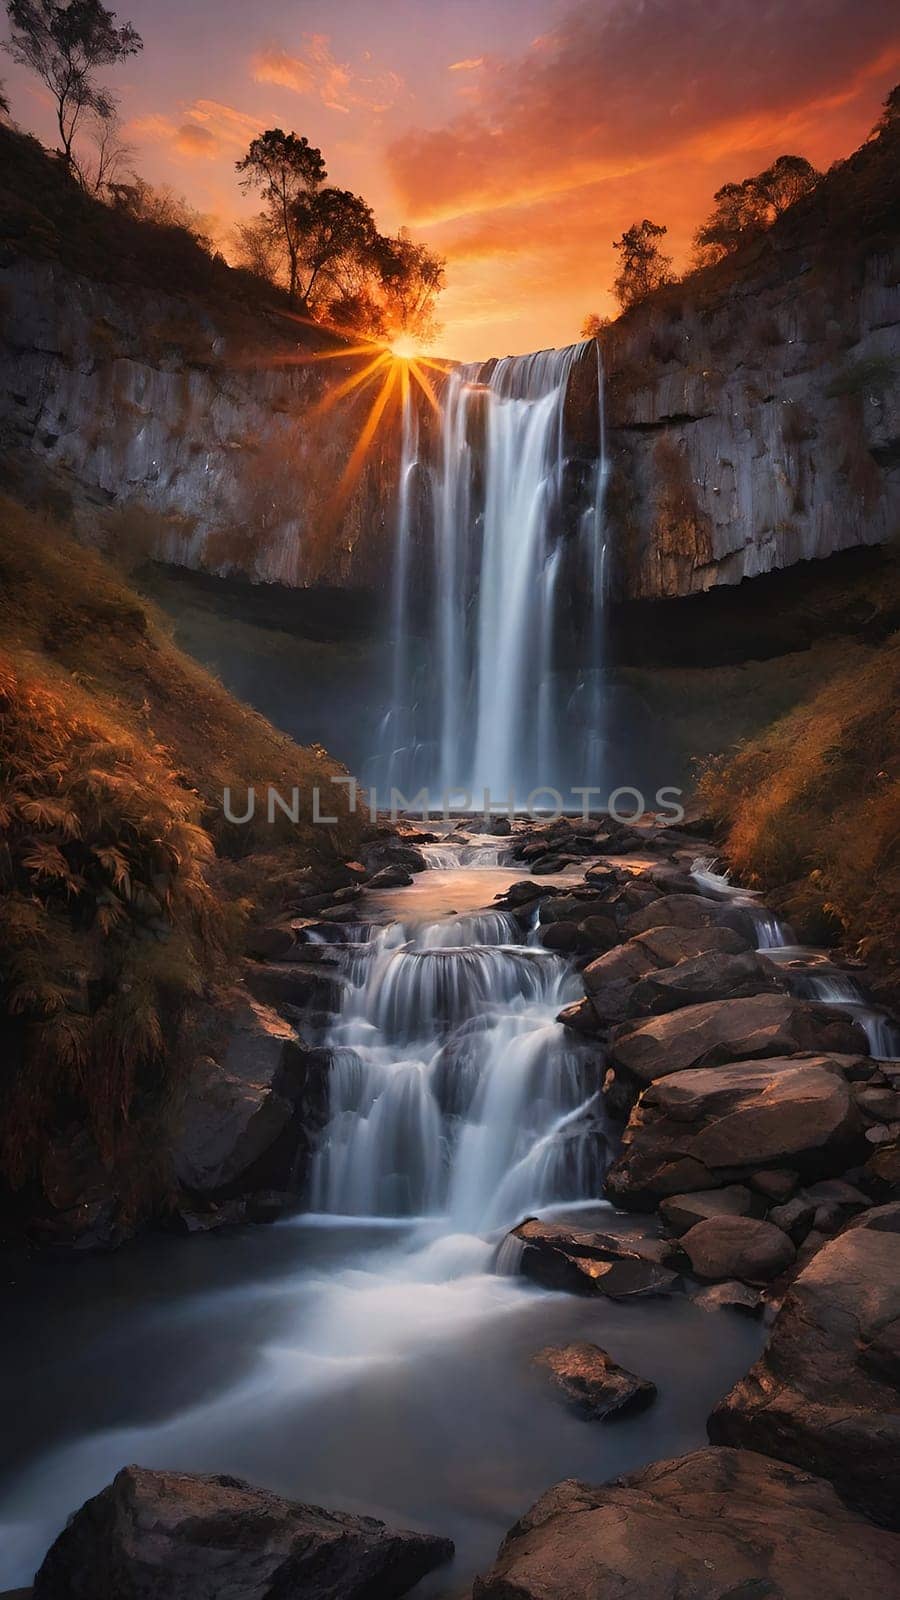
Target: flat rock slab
593	1382
185	1536
703	978
689	1130
710	1034
826	1391
588	1262
714	1525
681	1211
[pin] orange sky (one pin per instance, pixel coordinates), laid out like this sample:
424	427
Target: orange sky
519	137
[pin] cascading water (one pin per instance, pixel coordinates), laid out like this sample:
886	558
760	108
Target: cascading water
514	571
454	1091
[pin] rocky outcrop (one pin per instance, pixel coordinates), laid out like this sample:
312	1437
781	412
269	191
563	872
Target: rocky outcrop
151	403
826	1392
183	1536
693	1130
593	1382
715	1525
731	1030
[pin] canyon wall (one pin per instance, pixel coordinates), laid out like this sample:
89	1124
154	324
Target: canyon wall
235	451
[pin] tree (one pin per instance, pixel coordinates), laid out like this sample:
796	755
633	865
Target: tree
4	103
411	276
64	45
257	247
744	209
593	325
332	226
283	168
644	266
890	113
102	168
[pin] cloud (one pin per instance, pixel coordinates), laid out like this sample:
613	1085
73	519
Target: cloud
208	129
466	66
317	73
616	89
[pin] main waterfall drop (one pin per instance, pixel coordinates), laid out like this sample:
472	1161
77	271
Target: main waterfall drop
500	572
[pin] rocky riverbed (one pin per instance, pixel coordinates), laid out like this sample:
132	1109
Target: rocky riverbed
751	1148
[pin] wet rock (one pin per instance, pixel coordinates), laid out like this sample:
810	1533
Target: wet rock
592	1381
714	1525
881	1173
675	911
581	1017
795	1217
729	1295
732	1030
881	1104
597	933
188	1536
559	936
692	1129
583	1262
825	1394
394	877
777	1185
681	1211
573	907
737	1247
609	980
668	946
707	977
525	891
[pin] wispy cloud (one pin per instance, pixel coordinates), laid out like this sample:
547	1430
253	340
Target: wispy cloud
316	72
207	129
470	65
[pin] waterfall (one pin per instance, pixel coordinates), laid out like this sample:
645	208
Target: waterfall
515	568
454	1092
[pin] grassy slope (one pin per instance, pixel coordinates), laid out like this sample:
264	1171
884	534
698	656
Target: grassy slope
114	751
811	808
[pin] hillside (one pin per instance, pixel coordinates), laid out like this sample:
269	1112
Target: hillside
124	890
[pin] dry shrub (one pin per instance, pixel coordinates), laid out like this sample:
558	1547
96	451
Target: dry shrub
817	797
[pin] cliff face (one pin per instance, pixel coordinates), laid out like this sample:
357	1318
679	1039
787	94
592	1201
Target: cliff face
149	401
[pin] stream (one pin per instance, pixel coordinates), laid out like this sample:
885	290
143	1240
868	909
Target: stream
368	1355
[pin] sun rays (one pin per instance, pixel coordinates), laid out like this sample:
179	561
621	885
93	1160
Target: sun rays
387	375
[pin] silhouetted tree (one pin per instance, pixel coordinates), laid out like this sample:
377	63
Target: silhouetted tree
743	209
644	266
283	168
65	45
890	113
411	278
333	227
4	103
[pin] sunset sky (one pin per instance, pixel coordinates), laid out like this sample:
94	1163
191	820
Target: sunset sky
518	137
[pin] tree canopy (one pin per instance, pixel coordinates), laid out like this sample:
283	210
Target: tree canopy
644	267
283	168
65	45
742	209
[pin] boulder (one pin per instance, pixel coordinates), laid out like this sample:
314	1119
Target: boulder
609	980
295	983
581	1017
713	1525
559	936
737	1247
826	1391
732	1030
573	907
593	1382
597	933
707	977
680	1211
188	1536
392	877
776	1185
273	943
678	911
243	1113
668	946
728	1296
694	1130
582	1261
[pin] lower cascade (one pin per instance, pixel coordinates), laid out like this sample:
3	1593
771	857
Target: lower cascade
454	1092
